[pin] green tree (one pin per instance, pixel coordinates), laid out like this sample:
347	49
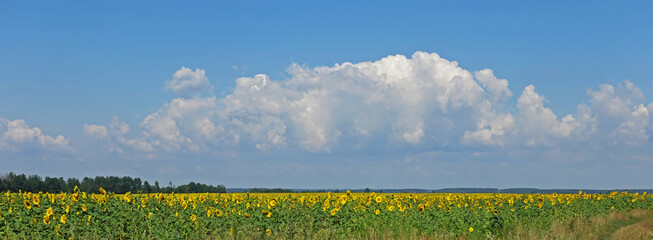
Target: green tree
146	187
71	183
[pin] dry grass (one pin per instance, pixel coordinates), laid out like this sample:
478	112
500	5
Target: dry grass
618	216
636	224
640	230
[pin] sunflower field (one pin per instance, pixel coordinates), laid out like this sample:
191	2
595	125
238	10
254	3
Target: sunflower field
79	215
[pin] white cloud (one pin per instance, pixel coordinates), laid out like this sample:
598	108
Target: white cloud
415	136
622	114
633	128
115	140
95	131
493	132
187	83
649	107
118	127
405	100
174	125
538	124
497	88
17	136
616	115
397	102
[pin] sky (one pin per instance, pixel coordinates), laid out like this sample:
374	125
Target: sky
324	94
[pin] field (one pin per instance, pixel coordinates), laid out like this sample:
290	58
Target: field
325	216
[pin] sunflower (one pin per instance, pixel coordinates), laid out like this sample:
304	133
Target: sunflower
268	232
28	205
127	197
36	201
63	219
46	219
471	229
379	199
49	212
193	217
103	191
75	196
272	204
267	213
84	207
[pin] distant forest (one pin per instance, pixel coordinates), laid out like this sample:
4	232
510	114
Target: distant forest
35	183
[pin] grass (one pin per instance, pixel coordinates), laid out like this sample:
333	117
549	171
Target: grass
633	225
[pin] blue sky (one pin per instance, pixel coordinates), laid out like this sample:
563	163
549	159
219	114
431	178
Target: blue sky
312	94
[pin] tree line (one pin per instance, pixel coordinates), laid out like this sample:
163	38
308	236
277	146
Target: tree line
270	190
34	183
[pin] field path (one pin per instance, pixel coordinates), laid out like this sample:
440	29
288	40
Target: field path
637	224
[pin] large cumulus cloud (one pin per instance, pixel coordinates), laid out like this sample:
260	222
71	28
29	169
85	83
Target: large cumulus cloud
398	102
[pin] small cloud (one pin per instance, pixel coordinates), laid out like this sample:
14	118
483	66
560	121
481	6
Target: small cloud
415	136
95	131
188	83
